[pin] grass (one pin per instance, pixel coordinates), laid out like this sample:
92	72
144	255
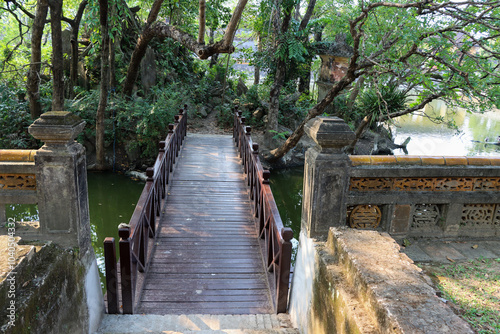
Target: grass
474	289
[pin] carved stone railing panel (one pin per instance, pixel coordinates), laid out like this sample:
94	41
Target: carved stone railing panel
364	216
17	182
478	215
426	216
425	184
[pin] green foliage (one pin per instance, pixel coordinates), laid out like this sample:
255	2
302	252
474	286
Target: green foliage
141	123
14	119
280	135
381	100
373	100
225	115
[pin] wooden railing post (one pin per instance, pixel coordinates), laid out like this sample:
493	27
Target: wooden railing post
284	270
253	177
163	170
126	271
247	159
111	275
151	209
171	155
262	219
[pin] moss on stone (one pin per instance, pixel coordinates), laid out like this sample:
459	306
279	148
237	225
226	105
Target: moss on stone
50	293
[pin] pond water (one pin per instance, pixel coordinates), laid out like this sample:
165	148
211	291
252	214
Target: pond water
429	138
112	200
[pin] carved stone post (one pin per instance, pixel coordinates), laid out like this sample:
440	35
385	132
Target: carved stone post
61	175
325	176
3	216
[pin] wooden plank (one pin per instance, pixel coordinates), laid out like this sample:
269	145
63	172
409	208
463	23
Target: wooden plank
207	256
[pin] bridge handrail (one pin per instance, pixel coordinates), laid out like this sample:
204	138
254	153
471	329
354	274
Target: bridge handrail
135	239
278	248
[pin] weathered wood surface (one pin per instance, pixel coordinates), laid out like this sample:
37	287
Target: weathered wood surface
207	257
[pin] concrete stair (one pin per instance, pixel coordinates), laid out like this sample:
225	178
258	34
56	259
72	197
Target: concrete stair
197	324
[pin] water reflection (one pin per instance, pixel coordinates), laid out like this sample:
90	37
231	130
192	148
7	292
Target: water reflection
112	200
429	138
21	212
286	185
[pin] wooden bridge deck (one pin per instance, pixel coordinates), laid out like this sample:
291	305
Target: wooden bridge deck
207	257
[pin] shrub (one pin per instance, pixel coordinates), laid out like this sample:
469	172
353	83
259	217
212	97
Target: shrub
15	119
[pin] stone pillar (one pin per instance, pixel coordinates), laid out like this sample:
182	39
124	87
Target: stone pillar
3	216
325	176
61	175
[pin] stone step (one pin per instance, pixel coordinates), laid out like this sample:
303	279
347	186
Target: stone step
197	323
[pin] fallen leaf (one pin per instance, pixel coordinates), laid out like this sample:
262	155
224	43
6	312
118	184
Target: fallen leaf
450	259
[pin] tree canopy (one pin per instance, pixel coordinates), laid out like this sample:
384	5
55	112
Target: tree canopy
419	49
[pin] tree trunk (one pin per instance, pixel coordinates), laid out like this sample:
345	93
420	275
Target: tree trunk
227	41
305	78
112	51
75	26
274	104
112	64
103	98
163	30
256	77
201	31
33	80
279	78
355	92
214	57
57	55
359	131
140	49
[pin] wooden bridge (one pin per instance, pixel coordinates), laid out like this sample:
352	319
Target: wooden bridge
206	236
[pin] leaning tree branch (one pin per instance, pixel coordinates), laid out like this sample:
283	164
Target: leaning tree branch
163	30
227	40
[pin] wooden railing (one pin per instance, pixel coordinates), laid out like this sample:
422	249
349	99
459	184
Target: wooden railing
135	240
277	245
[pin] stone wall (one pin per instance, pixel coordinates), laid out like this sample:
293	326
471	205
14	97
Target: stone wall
54	293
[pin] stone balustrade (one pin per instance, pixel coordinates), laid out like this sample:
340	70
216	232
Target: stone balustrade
54	177
407	196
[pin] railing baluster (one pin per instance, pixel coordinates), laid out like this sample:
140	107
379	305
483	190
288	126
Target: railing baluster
163	169
151	207
126	271
111	275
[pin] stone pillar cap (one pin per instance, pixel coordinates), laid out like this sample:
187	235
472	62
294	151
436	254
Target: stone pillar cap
57	127
330	132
